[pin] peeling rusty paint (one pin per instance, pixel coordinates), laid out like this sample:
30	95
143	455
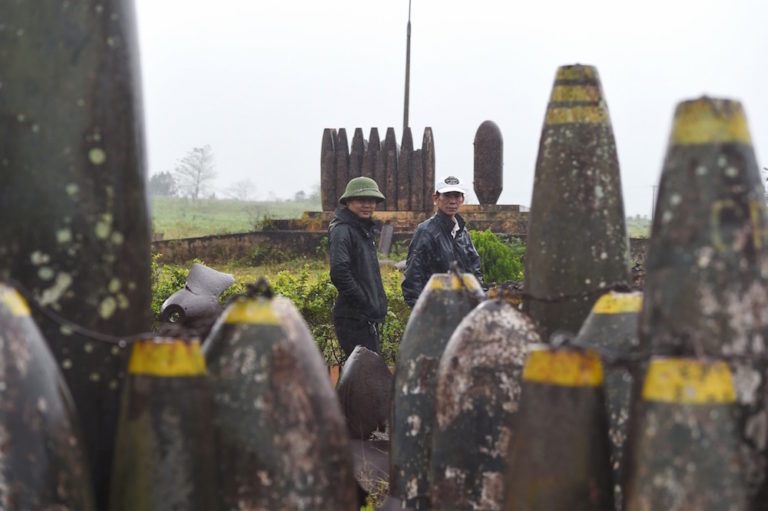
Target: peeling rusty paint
438	311
281	435
478	391
577	189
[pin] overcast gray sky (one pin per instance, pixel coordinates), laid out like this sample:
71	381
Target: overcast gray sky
259	80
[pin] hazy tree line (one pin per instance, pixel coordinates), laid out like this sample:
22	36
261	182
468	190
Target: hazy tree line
193	177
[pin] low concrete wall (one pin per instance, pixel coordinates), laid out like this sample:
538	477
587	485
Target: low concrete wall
256	247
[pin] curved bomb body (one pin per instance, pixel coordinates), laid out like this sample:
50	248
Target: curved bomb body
560	454
446	299
280	432
164	452
577	190
706	286
365	393
683	445
75	226
489	163
612	326
42	463
478	392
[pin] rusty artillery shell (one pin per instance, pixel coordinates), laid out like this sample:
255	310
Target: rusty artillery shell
280	432
478	391
365	392
683	444
164	453
706	287
560	454
428	163
356	154
404	172
577	237
328	172
390	150
342	162
489	163
75	225
42	461
371	157
446	299
612	326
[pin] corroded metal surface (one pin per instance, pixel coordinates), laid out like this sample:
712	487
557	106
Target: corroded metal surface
446	299
560	454
328	194
356	154
342	162
371	156
478	391
365	392
706	286
390	150
42	463
280	432
577	237
428	162
683	446
75	225
612	327
417	181
404	172
489	163
164	453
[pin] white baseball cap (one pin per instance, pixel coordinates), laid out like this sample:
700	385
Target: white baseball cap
450	184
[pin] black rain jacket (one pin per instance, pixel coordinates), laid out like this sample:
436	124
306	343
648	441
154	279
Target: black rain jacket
432	249
355	268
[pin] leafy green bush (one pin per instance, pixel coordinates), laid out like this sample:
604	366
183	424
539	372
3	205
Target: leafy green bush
499	261
166	279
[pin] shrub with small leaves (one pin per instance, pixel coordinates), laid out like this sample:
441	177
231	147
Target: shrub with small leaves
499	261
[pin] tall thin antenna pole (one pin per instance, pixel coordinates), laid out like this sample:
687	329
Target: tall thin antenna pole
407	70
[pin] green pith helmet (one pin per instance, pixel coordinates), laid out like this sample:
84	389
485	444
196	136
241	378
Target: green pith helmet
361	187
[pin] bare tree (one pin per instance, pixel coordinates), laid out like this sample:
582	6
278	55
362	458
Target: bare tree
195	171
241	190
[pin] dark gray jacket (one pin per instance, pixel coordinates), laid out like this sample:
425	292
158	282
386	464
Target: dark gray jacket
432	249
355	268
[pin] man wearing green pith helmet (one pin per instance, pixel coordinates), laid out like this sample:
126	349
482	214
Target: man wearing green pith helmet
361	304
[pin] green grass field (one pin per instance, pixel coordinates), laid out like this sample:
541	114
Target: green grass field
186	218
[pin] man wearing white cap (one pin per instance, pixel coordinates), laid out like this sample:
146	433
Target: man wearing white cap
439	241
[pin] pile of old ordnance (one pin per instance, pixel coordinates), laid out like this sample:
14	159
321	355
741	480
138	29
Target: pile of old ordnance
575	392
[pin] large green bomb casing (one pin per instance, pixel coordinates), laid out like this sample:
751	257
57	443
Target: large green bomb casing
577	237
446	299
706	286
683	451
477	398
42	463
164	452
612	326
75	225
281	437
559	458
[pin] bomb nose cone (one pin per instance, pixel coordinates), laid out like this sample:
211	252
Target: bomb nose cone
489	163
365	392
577	238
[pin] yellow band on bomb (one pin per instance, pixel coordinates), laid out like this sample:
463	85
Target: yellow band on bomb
688	381
707	121
618	303
14	302
174	358
564	368
257	312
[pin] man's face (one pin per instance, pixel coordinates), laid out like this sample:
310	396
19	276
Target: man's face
449	202
362	206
